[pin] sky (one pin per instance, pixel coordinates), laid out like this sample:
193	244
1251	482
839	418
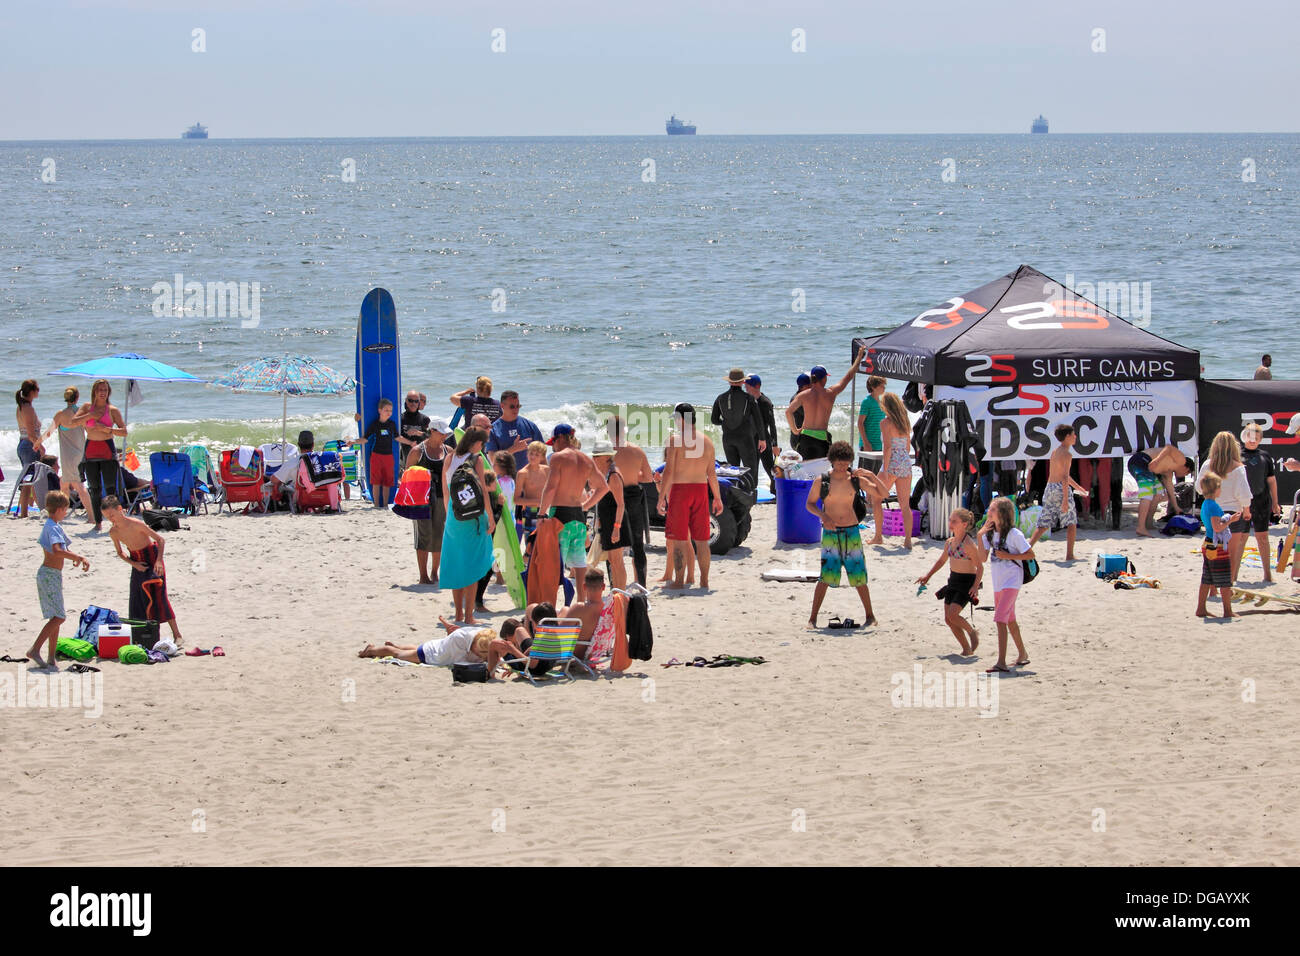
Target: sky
127	69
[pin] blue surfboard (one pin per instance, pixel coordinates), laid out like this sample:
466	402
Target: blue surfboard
379	368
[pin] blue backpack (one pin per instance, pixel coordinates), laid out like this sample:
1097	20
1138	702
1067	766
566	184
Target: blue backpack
91	618
1182	524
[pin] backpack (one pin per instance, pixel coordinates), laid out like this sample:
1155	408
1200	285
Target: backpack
1029	569
912	400
735	415
161	519
466	493
91	618
859	500
1182	524
640	636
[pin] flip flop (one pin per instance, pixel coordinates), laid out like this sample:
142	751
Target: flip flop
835	623
1019	663
196	652
13	660
83	669
999	669
220	651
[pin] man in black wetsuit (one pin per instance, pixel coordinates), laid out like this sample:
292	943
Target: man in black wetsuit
754	385
736	411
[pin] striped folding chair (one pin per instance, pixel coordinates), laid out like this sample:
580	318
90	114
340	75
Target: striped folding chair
556	639
348	456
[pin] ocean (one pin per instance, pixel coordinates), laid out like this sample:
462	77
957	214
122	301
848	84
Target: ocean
589	272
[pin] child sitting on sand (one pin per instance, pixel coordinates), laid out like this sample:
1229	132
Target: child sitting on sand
964	576
49	577
1008	550
1216	565
838	501
1058	501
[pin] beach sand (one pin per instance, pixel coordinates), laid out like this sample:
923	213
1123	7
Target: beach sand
1126	741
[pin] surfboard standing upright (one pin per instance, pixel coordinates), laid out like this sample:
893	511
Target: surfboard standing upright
379	369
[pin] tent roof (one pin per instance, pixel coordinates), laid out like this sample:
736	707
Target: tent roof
1025	327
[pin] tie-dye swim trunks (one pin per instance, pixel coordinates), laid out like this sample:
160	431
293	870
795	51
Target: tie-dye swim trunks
842	549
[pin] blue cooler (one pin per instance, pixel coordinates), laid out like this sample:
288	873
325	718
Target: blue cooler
795	524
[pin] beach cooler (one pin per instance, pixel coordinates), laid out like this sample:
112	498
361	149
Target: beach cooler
112	638
1104	564
795	524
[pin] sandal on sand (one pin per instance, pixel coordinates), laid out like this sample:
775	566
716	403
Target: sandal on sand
196	652
1020	663
220	651
83	669
14	660
835	623
998	668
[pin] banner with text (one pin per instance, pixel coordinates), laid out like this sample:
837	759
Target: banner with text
1229	406
1113	419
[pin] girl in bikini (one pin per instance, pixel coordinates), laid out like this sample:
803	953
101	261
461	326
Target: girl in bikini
965	572
29	438
896	471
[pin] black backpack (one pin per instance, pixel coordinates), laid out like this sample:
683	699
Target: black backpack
466	493
1028	568
859	499
161	519
640	636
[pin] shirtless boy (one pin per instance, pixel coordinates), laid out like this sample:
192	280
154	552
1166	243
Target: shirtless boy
530	483
588	610
1153	468
813	440
142	547
690	474
1058	501
570	472
841	537
635	468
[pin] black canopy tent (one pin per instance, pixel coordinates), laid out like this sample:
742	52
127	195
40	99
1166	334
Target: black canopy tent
1024	328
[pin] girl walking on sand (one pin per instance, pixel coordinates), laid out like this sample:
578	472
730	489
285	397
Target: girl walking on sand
1008	551
966	570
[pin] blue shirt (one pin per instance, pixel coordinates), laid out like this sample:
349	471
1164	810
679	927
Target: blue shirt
53	534
504	434
1209	511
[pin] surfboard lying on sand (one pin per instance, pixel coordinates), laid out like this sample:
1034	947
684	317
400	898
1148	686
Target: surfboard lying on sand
1260	598
379	370
789	574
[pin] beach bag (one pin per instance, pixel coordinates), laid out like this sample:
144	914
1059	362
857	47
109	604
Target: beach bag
74	648
133	654
1109	564
1182	524
161	519
1185	495
859	498
466	494
912	400
91	618
1030	569
475	673
640	636
1027	521
412	497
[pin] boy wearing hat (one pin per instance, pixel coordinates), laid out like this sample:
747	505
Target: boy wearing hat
743	436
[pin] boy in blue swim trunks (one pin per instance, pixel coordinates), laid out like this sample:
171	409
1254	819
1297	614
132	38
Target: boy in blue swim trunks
837	500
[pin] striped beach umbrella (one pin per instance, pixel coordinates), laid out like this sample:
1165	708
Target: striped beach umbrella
286	375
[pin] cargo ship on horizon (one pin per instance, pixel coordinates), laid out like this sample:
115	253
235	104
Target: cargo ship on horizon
197	131
676	127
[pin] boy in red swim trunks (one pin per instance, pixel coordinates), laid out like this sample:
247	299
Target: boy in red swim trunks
690	475
142	547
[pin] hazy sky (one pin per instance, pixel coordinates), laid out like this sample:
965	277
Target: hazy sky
125	68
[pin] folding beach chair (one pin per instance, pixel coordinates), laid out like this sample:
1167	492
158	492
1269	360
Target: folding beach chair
275	454
349	458
242	483
555	639
35	476
206	487
172	479
316	482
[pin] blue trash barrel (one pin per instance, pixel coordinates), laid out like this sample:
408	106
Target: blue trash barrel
794	523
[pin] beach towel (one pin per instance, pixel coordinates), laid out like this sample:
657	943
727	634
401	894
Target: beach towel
244	454
544	571
621	660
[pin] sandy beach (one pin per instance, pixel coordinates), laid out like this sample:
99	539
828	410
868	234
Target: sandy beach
1126	741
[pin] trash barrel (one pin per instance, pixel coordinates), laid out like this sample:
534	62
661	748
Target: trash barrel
794	523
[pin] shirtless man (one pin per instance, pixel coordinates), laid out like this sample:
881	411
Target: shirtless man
588	609
633	465
1058	498
1151	468
570	471
690	475
813	440
142	547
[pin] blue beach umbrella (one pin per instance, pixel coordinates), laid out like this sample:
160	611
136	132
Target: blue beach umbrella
132	368
286	375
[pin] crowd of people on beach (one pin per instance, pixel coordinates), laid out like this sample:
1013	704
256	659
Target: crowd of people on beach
499	468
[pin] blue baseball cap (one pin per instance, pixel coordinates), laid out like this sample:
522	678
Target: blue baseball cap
560	429
803	381
818	371
754	380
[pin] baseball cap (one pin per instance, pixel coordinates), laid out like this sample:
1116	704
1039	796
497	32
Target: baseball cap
803	381
817	371
440	426
560	429
754	380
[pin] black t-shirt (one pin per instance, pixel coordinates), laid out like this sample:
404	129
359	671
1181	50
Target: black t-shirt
383	433
1259	468
415	426
473	405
